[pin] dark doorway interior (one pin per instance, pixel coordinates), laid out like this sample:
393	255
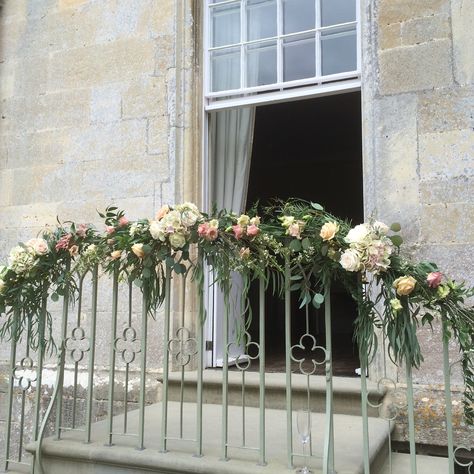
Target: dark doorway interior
310	149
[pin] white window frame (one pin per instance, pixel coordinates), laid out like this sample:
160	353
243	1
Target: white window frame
280	91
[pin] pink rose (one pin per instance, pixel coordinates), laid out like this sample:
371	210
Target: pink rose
434	279
123	221
212	234
203	229
238	231
110	229
252	230
82	230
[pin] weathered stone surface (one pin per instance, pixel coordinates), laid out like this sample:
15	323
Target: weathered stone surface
421	30
392	11
106	103
463	39
396	168
457	223
100	64
157	136
145	97
390	35
415	68
446	109
447	154
440	191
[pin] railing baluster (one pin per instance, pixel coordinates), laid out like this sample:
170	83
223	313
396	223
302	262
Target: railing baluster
225	376
262	369
289	402
447	392
143	348
39	370
200	368
113	335
166	335
411	418
90	383
11	378
62	358
328	463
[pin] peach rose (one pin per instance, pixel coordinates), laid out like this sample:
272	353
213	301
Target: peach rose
238	231
116	254
404	285
329	230
212	234
110	229
162	212
74	250
137	249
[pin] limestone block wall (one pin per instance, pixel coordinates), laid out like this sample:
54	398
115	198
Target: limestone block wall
418	98
96	100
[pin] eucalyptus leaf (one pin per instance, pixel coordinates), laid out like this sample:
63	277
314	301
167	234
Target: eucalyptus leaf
396	227
295	245
396	240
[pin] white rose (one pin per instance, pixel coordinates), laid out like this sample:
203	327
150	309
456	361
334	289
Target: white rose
39	246
157	230
350	260
177	240
357	234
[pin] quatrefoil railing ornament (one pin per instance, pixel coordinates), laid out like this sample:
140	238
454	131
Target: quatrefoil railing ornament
78	344
252	352
309	349
468	464
392	400
24	373
128	346
183	347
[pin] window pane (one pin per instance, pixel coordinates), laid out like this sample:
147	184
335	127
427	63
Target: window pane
262	64
299	58
338	51
225	25
298	15
261	19
337	11
225	69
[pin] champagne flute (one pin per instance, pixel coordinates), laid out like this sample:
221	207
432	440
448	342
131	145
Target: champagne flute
303	423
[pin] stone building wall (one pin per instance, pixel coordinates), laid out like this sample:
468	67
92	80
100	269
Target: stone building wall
418	121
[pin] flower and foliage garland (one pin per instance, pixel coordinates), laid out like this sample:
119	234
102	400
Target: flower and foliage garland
296	238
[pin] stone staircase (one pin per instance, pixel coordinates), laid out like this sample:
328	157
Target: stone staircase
71	455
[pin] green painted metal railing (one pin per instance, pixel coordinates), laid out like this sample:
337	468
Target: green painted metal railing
183	348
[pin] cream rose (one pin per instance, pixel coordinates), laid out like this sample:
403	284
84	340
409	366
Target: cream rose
350	261
329	230
396	305
357	234
74	250
243	220
137	249
39	246
177	241
404	285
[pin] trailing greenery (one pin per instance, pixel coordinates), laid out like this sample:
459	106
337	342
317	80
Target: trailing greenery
394	295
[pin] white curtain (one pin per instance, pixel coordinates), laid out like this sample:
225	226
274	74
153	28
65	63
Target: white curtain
231	136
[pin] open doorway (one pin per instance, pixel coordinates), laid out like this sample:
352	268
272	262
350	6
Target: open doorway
310	149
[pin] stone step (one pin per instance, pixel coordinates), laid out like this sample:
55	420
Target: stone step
424	464
346	390
72	455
